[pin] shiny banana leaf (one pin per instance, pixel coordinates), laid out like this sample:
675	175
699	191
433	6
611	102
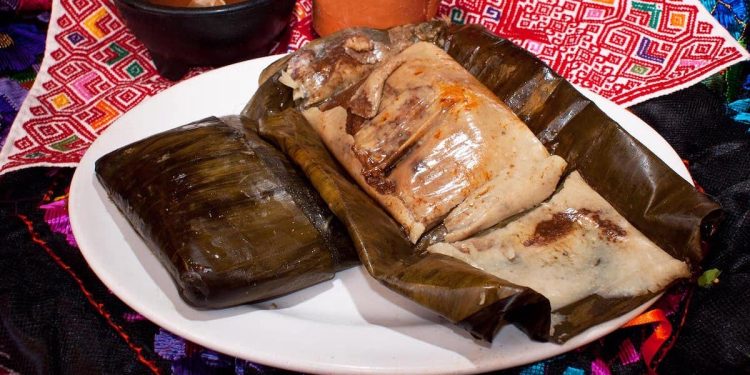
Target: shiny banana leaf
225	213
647	192
656	200
459	292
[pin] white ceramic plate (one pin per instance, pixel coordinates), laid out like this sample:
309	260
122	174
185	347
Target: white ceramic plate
348	325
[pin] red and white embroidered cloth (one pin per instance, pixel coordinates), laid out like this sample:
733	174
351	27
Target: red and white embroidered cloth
94	70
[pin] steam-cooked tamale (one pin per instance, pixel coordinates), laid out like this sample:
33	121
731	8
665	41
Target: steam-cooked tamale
430	137
227	215
570	247
336	82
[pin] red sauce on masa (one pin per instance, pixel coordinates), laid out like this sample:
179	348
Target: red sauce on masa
562	223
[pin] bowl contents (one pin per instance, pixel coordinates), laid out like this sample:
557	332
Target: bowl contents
330	16
193	3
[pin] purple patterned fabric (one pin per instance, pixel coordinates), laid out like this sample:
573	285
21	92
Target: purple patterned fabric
21	48
20	44
56	215
11	98
8	5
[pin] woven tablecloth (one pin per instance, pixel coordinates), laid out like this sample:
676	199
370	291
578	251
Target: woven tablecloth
94	70
58	318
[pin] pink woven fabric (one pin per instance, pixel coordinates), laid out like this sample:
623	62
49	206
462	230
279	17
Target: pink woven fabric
628	51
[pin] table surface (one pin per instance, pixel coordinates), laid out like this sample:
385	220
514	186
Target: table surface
58	317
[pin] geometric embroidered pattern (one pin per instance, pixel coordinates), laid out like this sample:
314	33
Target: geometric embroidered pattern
625	50
94	70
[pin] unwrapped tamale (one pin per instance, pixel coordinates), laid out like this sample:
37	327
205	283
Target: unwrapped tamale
340	85
421	145
570	247
226	213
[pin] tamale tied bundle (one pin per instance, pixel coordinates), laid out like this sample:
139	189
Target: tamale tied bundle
460	163
225	213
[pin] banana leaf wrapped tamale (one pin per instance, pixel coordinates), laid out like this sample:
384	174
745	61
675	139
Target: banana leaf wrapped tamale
639	186
465	295
226	213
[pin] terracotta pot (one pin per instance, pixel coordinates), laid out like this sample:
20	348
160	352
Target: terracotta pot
330	16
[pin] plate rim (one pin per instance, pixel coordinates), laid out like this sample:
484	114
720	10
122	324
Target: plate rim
281	361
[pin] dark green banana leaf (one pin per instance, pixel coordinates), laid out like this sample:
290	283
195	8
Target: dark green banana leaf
463	294
656	200
225	212
647	192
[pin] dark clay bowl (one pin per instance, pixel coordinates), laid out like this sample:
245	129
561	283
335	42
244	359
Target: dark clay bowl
181	38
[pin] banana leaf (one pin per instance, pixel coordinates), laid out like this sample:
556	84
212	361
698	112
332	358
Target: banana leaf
225	213
656	200
463	294
647	192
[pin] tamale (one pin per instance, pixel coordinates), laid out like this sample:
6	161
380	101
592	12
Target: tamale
653	198
225	213
646	192
463	294
420	147
573	246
